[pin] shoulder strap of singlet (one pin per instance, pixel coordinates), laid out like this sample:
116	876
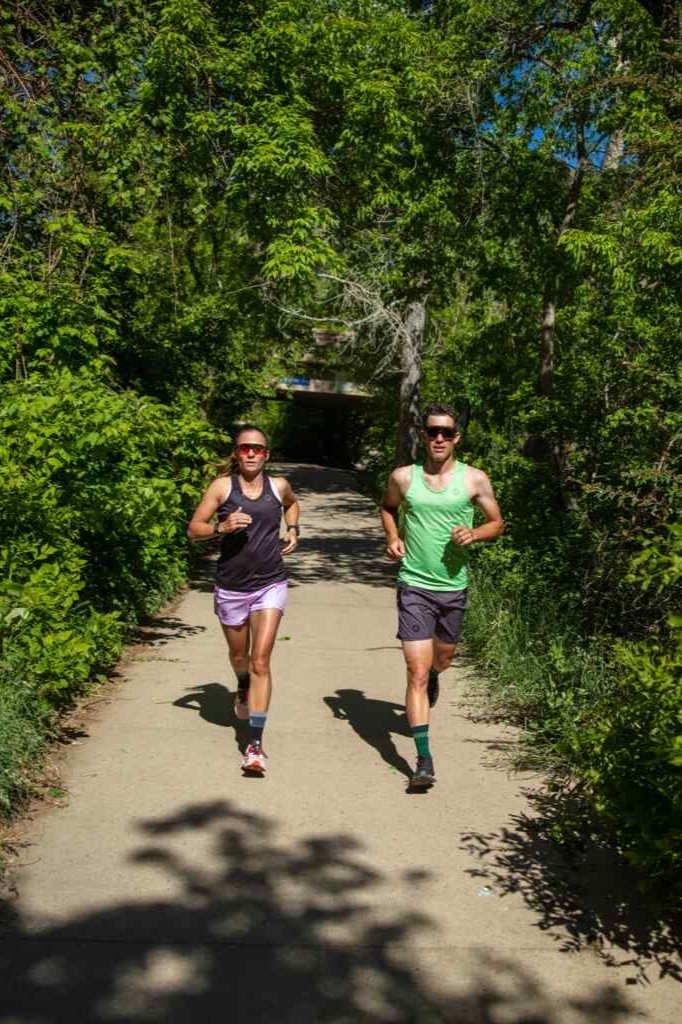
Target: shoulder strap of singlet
414	473
274	489
234	487
227	493
458	475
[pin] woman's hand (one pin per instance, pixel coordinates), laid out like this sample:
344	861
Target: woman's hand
237	520
291	542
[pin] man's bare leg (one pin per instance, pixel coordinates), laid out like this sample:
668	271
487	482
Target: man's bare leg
418	659
443	653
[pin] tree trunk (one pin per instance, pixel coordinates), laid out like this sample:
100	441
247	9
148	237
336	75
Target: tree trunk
615	151
548	337
551	292
412	349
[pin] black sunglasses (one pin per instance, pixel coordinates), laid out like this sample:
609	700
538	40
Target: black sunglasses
447	433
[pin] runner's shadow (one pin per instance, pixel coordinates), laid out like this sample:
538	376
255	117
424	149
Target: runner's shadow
215	705
374	721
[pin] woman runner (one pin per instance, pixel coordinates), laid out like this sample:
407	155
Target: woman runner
251	582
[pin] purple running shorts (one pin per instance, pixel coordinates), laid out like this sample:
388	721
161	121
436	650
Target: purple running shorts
234	607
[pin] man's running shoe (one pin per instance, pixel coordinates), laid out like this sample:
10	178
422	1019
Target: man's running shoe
423	774
241	705
433	688
255	759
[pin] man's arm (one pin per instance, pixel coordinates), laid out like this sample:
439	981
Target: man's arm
482	495
390	503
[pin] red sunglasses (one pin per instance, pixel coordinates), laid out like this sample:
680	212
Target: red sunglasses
244	449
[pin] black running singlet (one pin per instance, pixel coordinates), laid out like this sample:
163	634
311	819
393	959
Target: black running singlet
251	559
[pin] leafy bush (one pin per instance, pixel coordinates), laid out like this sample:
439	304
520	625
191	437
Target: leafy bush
630	756
96	486
539	668
605	715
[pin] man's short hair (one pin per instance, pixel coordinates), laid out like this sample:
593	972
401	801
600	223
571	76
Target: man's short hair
440	409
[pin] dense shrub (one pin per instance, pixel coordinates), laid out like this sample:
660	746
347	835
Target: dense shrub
96	486
630	754
606	715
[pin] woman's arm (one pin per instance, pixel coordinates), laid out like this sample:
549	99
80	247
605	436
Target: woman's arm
200	525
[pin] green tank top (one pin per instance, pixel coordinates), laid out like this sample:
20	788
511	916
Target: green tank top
432	561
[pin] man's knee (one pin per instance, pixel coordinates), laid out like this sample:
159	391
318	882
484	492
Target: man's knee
443	659
417	678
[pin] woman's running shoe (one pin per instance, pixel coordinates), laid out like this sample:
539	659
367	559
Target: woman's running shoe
255	759
241	705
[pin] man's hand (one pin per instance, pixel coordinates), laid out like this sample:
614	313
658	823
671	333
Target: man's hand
235	521
462	535
395	549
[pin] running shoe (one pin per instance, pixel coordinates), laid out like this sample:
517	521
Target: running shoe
433	688
255	759
241	705
423	774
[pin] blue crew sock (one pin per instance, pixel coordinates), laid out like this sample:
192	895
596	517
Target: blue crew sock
257	720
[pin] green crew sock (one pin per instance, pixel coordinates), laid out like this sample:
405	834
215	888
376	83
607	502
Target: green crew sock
421	738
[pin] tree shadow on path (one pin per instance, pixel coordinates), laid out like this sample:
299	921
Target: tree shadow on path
579	889
250	928
375	722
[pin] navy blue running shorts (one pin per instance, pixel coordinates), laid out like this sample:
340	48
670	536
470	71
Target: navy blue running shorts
424	614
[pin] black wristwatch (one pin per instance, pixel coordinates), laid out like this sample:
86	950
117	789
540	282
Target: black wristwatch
294	526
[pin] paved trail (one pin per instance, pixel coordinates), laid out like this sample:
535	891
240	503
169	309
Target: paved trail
172	889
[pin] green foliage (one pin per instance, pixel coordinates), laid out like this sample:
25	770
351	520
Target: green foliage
96	487
630	753
184	181
540	671
23	724
606	716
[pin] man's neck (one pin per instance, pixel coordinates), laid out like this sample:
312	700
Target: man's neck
439	468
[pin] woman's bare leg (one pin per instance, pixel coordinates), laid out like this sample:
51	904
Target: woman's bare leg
264	625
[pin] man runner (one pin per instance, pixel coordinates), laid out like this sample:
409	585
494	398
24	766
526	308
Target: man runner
437	502
251	582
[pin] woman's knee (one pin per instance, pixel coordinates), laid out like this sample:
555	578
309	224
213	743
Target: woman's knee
239	660
260	664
